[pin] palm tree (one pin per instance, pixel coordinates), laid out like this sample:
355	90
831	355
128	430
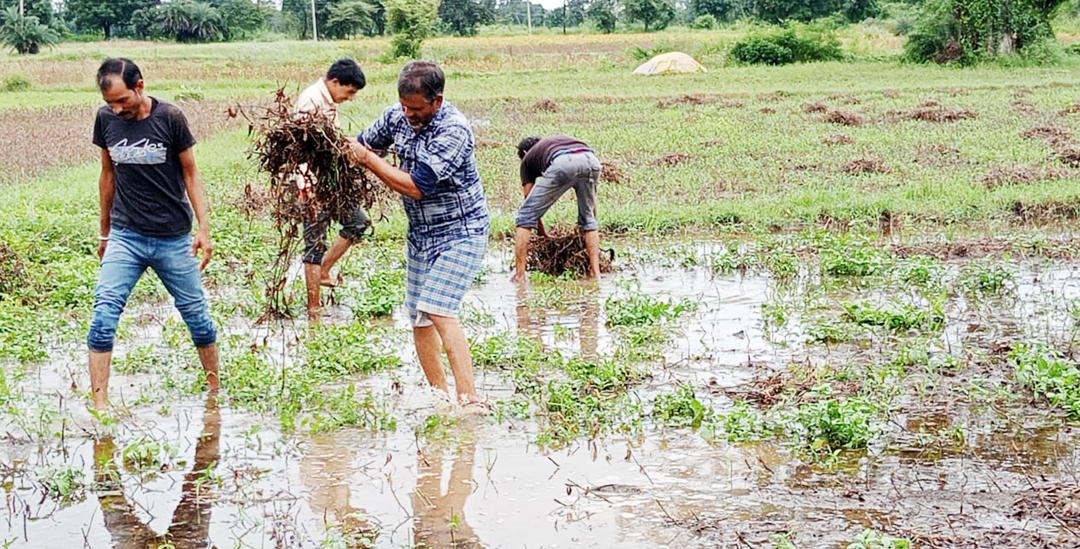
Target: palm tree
24	33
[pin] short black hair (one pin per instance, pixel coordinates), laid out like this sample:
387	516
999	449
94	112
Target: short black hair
421	77
527	144
126	69
347	73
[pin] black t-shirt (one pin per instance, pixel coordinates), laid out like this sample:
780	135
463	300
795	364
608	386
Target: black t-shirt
539	156
150	195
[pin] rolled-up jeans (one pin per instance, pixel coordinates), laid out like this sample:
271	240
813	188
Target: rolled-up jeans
127	256
577	170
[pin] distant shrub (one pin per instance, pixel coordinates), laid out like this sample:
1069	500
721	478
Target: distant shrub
705	22
641	54
189	94
787	47
17	82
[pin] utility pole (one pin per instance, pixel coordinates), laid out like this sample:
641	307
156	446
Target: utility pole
21	12
314	25
528	14
564	17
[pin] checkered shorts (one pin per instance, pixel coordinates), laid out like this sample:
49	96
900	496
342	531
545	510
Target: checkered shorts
438	278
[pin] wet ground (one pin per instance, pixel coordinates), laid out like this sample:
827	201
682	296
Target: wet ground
949	470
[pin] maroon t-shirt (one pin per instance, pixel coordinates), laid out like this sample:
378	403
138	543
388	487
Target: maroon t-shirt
539	157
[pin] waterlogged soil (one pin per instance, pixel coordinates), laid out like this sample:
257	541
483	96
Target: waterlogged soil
954	470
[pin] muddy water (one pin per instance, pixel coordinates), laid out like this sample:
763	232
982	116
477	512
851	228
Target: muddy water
236	482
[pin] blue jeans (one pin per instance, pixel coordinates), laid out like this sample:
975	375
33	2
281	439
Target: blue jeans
579	171
126	258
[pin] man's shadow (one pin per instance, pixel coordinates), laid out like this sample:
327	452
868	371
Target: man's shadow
438	518
190	527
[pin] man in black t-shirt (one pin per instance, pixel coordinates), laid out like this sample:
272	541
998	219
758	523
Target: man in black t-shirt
148	186
550	167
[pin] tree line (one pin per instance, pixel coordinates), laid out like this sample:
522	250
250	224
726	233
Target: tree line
940	29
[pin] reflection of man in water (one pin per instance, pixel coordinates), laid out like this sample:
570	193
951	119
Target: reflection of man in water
532	322
440	518
190	528
325	472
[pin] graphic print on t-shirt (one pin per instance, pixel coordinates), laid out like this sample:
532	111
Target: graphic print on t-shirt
142	152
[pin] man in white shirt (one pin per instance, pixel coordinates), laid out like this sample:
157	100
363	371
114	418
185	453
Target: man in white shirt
322	98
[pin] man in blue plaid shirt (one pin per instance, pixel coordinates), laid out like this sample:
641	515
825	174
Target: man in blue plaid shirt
448	216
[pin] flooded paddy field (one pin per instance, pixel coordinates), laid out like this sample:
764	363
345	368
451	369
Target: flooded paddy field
844	314
811	389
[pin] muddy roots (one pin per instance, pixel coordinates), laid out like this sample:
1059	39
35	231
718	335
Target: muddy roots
303	149
561	251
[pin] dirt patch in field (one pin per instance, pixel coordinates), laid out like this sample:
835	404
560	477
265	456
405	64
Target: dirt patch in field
1020	174
1067	152
1022	92
815	107
1045	211
65	139
891	94
688	99
1025	108
933	114
672	159
845	98
610	172
770	97
767	110
930	103
844	118
955	250
545	105
713	143
837	139
937	154
866	164
1050	134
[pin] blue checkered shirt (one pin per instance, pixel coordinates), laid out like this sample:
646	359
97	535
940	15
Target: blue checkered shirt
457	208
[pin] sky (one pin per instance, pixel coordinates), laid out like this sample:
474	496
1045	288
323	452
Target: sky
548	4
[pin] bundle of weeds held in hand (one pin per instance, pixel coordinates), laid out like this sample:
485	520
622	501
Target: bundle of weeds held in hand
304	150
310	148
563	250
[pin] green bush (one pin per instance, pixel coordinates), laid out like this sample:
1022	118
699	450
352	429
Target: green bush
705	22
782	48
17	82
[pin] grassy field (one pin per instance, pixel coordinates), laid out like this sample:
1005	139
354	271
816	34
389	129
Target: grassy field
903	233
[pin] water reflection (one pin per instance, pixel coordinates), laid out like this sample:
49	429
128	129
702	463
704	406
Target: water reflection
443	483
585	306
325	471
190	527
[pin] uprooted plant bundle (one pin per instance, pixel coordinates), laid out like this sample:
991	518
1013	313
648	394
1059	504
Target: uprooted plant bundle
563	250
304	150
